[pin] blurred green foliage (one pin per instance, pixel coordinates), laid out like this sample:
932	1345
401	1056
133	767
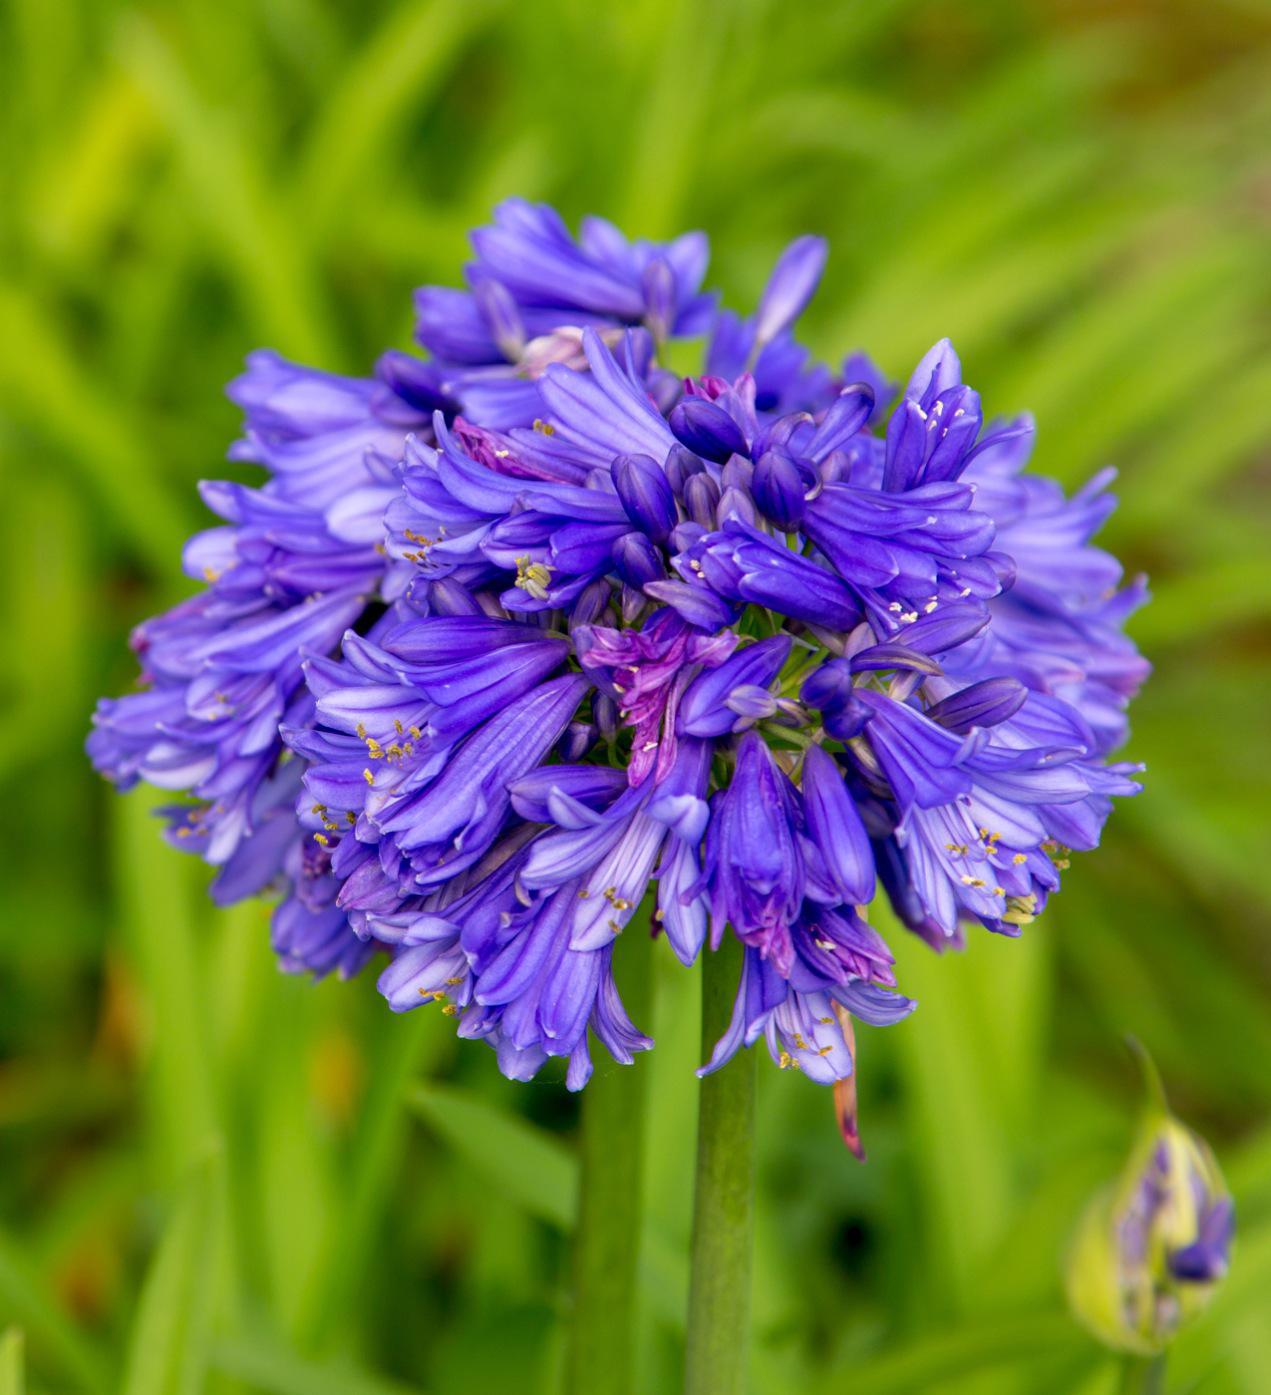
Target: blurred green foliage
215	1178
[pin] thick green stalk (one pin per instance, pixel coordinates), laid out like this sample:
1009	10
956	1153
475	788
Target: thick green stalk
718	1346
602	1349
1143	1375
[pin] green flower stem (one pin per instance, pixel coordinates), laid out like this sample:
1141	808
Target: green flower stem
718	1346
602	1348
1143	1375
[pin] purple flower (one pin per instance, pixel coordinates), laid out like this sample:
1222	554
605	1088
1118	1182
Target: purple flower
531	290
526	635
646	672
754	870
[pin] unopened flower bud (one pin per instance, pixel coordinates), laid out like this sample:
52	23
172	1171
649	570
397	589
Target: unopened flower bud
751	702
681	465
1151	1247
646	494
707	429
780	489
701	498
636	560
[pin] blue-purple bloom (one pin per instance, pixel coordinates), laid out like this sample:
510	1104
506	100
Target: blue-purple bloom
522	636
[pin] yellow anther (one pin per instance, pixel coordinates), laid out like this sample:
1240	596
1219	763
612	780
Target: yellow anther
533	577
1020	910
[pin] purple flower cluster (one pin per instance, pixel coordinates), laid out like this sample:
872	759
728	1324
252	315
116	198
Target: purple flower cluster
517	629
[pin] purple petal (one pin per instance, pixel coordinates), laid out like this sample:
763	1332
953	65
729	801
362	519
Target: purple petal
792	284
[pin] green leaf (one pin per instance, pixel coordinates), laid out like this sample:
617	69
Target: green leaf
974	1349
527	1165
532	1169
168	1345
256	237
394	75
273	1369
40	373
154	887
23	1297
969	1060
11	1364
404	1047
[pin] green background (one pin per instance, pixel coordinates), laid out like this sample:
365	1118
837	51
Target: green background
213	1177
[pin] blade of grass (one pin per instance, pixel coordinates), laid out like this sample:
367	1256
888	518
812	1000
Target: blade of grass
86	186
24	1299
261	244
973	1350
42	377
525	1163
12	1380
271	1368
154	886
395	74
531	1168
969	1072
296	1196
168	1345
379	1135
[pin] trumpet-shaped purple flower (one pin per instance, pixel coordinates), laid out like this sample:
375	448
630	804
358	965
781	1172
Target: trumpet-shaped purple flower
514	633
533	287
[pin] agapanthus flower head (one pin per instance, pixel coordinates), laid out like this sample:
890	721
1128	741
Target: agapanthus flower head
531	643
